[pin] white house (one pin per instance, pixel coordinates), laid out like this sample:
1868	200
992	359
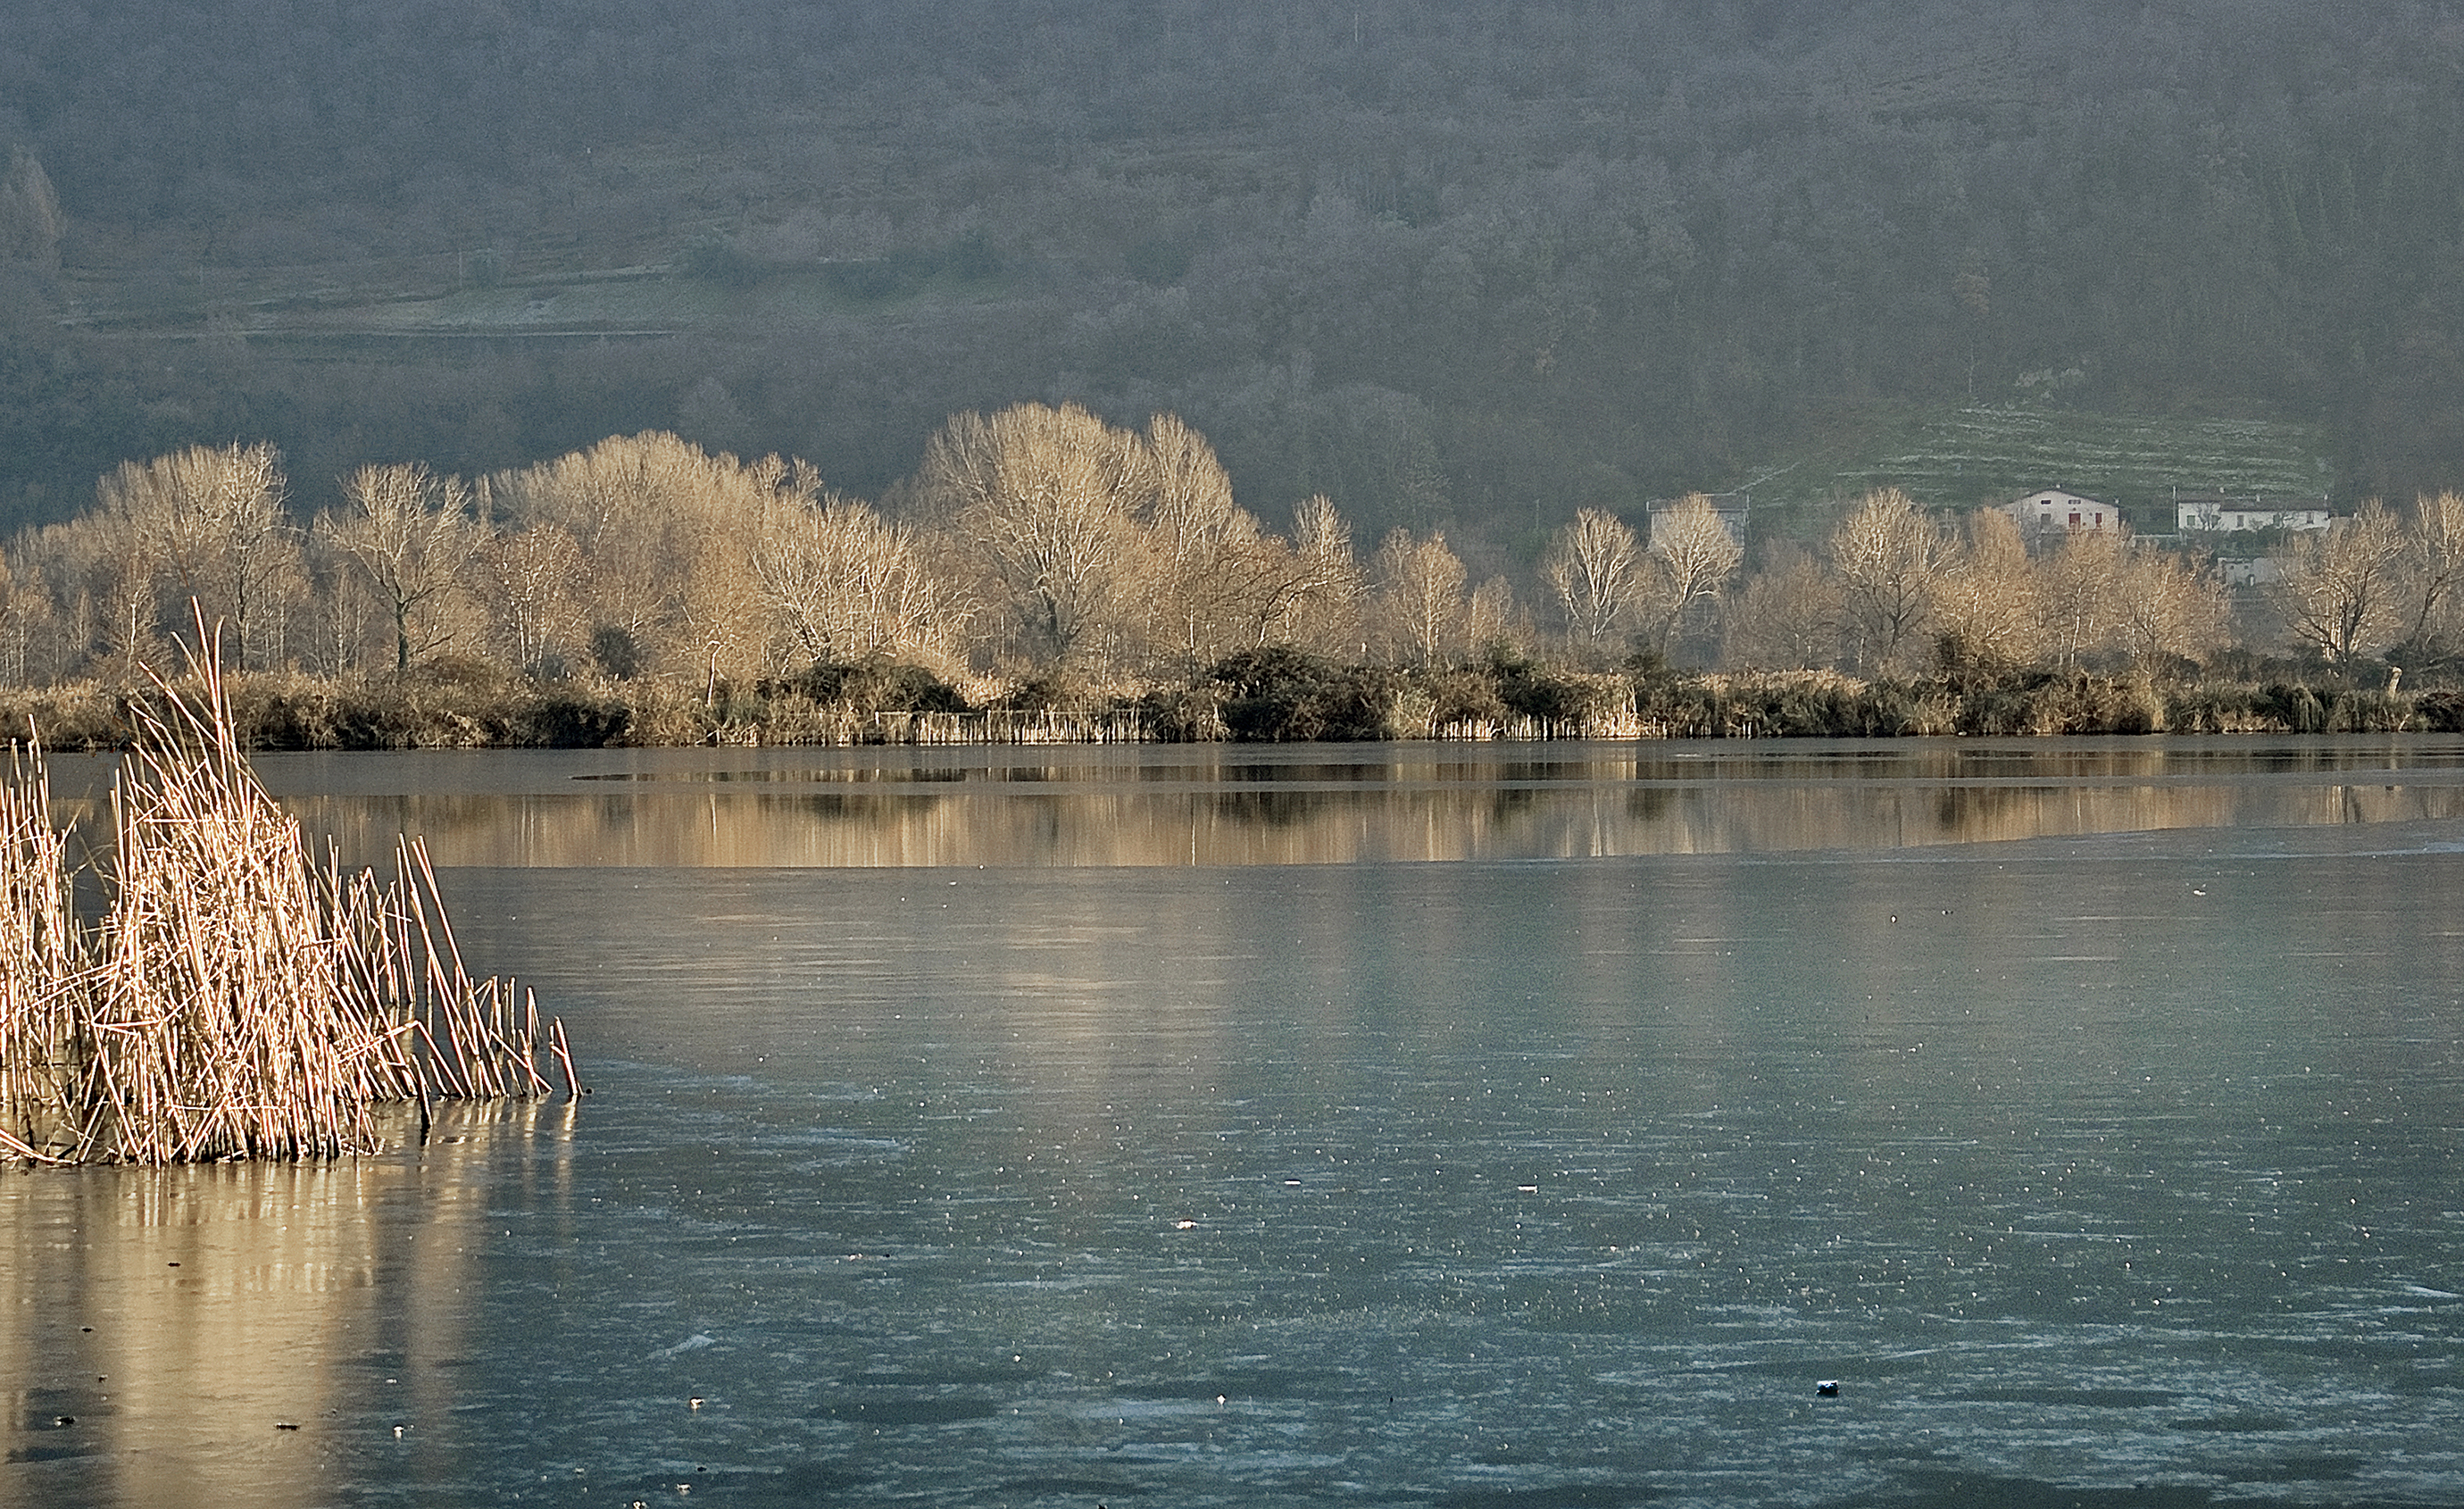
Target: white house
2056	510
2221	514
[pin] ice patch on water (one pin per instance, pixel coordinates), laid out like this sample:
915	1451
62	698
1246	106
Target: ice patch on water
1124	1408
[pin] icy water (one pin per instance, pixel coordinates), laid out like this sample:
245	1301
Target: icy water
1478	1129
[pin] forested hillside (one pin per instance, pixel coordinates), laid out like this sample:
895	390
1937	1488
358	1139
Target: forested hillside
1478	264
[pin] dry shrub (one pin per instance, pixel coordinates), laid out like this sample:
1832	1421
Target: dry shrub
2092	704
83	716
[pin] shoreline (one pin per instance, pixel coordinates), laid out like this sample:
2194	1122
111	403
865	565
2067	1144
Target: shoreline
1277	699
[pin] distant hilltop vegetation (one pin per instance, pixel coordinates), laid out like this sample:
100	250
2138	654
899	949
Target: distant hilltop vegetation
1474	267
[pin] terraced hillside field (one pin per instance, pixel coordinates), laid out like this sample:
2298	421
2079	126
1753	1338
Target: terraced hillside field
1963	457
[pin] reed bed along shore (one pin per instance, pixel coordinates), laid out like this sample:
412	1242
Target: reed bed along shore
1272	695
234	997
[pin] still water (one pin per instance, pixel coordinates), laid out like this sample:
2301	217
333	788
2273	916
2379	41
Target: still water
1472	1128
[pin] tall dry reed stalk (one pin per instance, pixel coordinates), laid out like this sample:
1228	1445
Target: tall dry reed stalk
238	998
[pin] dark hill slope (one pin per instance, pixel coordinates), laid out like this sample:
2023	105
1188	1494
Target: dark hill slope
1474	261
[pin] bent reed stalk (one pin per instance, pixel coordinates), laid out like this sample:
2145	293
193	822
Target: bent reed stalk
236	998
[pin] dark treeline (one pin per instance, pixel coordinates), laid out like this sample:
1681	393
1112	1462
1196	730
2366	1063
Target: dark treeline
1471	265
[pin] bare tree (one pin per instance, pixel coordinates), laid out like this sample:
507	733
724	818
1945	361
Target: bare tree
1595	566
2077	594
847	584
2339	590
1788	615
1419	594
1891	558
117	579
531	574
2433	566
85	597
608	500
1049	499
1693	557
1318	601
1490	621
22	608
1217	575
1191	507
205	526
341	608
411	536
1986	613
2168	608
669	537
715	609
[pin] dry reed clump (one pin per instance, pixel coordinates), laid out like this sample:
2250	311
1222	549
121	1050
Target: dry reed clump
236	998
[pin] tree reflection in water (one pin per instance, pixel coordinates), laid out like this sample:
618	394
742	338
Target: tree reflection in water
1183	805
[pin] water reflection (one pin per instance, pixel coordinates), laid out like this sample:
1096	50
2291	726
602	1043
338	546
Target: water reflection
227	1334
1181	807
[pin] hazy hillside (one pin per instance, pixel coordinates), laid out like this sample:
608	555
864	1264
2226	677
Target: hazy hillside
1473	263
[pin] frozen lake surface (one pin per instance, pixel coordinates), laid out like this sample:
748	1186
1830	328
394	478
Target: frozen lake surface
1471	1127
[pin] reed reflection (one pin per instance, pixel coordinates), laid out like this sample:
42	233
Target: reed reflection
210	1334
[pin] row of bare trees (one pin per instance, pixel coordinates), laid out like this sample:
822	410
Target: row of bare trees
2377	581
1036	537
1902	585
1614	588
1897	589
1042	538
1894	588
